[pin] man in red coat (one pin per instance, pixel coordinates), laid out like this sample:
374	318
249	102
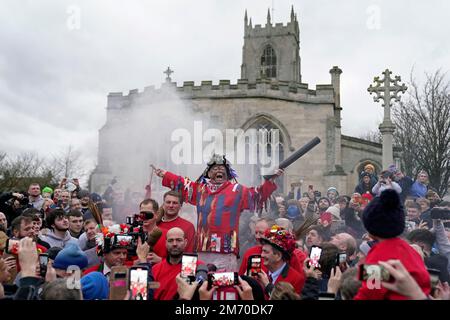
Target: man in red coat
114	253
167	270
278	247
220	201
384	219
261	226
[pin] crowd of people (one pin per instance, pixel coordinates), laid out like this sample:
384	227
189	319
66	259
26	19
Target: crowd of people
390	239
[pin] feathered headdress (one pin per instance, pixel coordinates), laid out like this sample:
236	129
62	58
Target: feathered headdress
218	159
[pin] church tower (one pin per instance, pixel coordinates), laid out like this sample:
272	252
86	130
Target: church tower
271	51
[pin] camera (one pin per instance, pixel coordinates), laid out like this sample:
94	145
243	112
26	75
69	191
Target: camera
24	201
440	213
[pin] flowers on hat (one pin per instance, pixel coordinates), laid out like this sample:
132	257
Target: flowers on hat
280	238
108	233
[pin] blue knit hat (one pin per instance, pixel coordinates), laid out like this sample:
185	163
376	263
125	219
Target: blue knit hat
71	255
94	286
293	212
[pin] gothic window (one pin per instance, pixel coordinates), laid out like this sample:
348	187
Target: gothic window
268	63
267	128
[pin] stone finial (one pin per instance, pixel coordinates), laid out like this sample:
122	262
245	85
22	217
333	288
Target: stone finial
335	70
292	13
168	72
268	17
245	18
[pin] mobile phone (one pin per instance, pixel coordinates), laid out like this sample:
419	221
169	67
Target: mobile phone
118	283
373	271
12	246
254	265
223	279
189	266
314	256
341	261
43	261
434	277
138	282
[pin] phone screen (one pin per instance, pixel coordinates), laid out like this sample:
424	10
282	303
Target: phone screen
124	239
138	283
223	279
254	266
188	266
43	261
314	256
341	261
13	246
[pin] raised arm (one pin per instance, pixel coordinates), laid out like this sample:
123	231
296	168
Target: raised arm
187	187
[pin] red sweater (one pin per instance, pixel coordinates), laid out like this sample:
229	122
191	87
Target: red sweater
399	249
189	232
165	273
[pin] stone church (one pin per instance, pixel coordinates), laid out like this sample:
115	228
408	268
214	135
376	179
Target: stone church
270	94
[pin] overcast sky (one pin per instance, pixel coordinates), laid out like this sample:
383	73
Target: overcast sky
59	59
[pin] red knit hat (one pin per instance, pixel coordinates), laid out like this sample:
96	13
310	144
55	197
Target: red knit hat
279	238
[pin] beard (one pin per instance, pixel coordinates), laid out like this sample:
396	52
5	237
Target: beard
176	253
61	229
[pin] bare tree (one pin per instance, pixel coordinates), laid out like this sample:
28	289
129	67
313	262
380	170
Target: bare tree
18	172
423	129
69	163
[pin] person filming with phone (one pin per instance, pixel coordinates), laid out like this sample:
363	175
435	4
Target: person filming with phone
386	182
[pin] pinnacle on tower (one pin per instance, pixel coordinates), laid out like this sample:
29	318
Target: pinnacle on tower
292	13
268	16
250	24
245	17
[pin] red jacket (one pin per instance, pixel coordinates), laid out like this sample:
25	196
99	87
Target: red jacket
219	211
296	262
291	276
399	249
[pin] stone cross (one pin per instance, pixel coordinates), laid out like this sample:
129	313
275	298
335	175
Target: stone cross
168	72
387	89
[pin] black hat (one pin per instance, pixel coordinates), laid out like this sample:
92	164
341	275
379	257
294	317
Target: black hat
384	216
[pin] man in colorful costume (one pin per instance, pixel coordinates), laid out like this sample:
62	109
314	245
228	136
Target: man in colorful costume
219	200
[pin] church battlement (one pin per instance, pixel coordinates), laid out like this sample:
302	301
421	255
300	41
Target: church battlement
270	30
279	29
262	88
